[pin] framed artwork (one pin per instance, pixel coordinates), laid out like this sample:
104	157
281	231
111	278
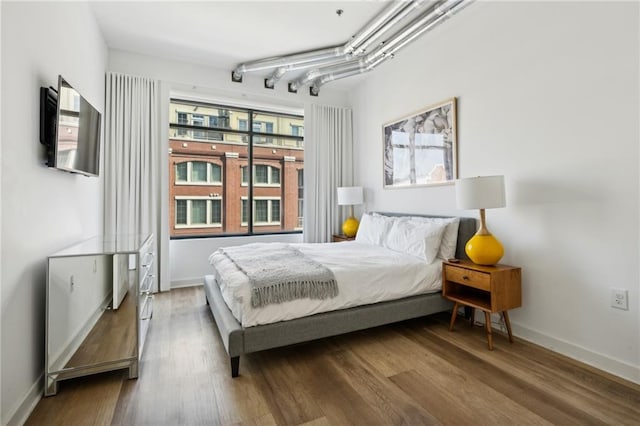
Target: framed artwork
421	149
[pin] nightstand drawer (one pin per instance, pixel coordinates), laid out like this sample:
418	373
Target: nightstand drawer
468	277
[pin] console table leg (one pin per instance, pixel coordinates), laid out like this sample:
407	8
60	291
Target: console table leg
487	324
454	314
508	324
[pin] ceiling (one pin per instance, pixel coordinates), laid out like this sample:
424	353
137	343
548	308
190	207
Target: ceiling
222	34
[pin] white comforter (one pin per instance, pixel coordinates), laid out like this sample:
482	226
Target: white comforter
365	274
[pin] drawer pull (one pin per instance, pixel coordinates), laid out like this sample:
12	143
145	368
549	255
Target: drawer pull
466	278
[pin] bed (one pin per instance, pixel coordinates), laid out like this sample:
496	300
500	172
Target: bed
246	330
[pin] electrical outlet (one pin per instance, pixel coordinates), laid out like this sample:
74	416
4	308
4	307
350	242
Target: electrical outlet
620	299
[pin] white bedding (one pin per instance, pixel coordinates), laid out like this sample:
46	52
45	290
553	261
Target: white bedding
365	274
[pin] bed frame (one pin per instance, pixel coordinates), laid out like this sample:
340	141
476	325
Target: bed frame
239	340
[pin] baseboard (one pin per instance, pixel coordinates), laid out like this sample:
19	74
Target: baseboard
602	362
187	283
22	412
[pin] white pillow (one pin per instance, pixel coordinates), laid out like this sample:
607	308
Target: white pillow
450	236
416	238
373	229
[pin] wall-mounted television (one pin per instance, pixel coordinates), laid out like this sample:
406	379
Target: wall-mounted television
70	129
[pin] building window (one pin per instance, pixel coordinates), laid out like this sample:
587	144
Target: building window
229	174
181	212
244	211
182	119
263	175
266	211
300	197
198	212
198	120
198	173
181	172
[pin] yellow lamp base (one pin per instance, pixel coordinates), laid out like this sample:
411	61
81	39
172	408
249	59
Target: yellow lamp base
350	227
484	249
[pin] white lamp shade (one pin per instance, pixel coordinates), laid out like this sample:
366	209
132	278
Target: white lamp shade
482	192
350	195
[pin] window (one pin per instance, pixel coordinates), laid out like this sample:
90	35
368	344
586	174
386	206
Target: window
198	120
234	170
181	172
265	211
198	212
275	176
262	175
181	212
300	197
198	173
182	119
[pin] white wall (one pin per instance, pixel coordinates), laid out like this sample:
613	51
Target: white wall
186	263
43	210
549	97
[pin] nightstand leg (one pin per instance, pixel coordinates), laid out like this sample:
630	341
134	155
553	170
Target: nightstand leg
454	314
508	324
487	324
472	316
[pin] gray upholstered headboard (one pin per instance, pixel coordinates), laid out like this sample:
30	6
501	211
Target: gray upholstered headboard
468	227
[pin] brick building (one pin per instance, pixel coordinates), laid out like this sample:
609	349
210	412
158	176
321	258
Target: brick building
209	172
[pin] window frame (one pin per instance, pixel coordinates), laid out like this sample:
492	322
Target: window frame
250	139
269	184
209	204
189	181
270	221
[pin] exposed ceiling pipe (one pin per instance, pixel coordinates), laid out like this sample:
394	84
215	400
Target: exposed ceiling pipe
270	81
378	23
433	11
413	8
314	57
310	76
431	18
326	56
314	89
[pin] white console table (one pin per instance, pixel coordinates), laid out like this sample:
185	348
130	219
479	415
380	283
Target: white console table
98	307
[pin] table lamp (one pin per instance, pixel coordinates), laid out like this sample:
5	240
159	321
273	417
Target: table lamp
482	192
349	196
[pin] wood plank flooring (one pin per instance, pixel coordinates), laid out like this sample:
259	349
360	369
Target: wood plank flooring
411	373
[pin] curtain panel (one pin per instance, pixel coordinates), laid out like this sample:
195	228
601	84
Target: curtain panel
131	175
328	165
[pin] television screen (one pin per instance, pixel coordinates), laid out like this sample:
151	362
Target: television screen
75	144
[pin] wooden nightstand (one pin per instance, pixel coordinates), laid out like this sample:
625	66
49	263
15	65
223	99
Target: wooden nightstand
488	288
339	238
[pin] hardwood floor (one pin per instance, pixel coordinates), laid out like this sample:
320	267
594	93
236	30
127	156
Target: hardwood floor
415	372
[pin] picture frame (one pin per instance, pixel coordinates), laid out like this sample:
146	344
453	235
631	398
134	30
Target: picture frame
421	149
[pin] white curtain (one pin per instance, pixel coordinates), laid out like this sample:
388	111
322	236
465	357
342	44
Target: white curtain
131	175
328	164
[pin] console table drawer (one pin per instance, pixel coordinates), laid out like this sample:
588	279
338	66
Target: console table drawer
468	277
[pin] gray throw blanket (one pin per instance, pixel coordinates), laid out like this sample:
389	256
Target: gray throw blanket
278	273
